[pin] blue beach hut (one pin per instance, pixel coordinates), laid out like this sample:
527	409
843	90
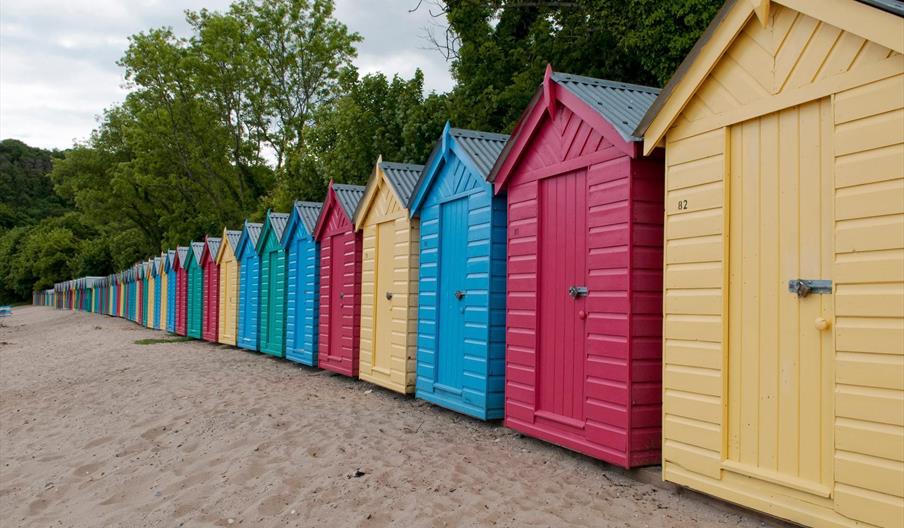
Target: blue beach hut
249	287
302	283
157	270
169	267
461	282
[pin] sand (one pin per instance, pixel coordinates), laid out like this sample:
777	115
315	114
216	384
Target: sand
96	430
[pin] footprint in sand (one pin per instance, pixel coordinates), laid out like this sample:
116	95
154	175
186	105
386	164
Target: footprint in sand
37	506
98	442
87	469
153	433
274	505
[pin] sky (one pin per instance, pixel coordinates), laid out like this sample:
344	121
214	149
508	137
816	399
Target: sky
58	57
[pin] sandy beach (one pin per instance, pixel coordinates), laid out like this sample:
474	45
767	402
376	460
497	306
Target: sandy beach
98	430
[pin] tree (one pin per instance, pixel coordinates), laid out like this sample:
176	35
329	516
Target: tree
375	116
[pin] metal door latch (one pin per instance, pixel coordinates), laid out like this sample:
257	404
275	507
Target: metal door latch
389	296
459	295
804	287
578	291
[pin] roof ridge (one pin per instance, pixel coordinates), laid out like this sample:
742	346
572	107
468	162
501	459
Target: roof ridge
348	186
604	82
478	134
400	164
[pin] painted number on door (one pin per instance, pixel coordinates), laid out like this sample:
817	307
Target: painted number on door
682	205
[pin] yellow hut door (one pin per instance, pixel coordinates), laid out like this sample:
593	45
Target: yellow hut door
385	266
780	302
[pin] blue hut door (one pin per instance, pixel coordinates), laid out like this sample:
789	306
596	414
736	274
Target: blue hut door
453	255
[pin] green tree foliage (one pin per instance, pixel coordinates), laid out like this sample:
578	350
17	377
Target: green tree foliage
374	117
26	192
499	48
260	105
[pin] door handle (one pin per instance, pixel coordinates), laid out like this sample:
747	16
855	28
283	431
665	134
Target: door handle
459	295
804	287
578	291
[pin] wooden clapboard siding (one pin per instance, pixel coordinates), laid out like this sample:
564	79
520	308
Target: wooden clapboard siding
796	97
394	368
794	58
693	356
869	303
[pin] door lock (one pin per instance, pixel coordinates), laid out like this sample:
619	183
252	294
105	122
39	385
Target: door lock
459	295
804	287
389	296
578	291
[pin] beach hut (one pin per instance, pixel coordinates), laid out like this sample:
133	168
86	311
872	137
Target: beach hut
229	287
140	292
302	283
163	279
181	260
389	269
249	287
211	299
584	274
120	294
194	297
151	303
340	280
784	251
133	292
157	267
461	282
172	288
144	293
273	285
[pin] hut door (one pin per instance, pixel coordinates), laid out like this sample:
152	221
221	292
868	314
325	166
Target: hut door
337	297
780	348
452	291
562	250
382	320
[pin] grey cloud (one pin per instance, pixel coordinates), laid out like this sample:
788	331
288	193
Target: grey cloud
58	57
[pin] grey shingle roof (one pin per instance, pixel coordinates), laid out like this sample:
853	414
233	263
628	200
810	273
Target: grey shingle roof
621	104
158	265
278	223
170	257
254	232
233	238
197	248
892	6
483	147
213	245
182	251
348	196
308	213
402	178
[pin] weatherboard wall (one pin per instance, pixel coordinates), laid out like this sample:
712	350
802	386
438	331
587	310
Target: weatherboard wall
461	290
302	284
785	160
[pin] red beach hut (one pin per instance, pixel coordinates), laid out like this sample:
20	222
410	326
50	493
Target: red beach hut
181	290
211	296
340	280
584	278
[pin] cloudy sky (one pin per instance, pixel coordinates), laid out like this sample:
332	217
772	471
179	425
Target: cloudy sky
58	57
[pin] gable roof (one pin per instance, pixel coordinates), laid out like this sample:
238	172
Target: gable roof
611	108
277	223
197	249
232	237
158	265
251	231
477	150
308	213
346	196
876	20
182	253
170	259
213	245
622	104
402	178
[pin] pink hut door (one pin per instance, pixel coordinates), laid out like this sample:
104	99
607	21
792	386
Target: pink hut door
562	259
337	297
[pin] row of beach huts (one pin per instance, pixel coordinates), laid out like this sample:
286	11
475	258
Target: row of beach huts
708	277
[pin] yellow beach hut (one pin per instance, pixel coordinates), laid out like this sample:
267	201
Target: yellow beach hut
389	277
783	375
229	287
